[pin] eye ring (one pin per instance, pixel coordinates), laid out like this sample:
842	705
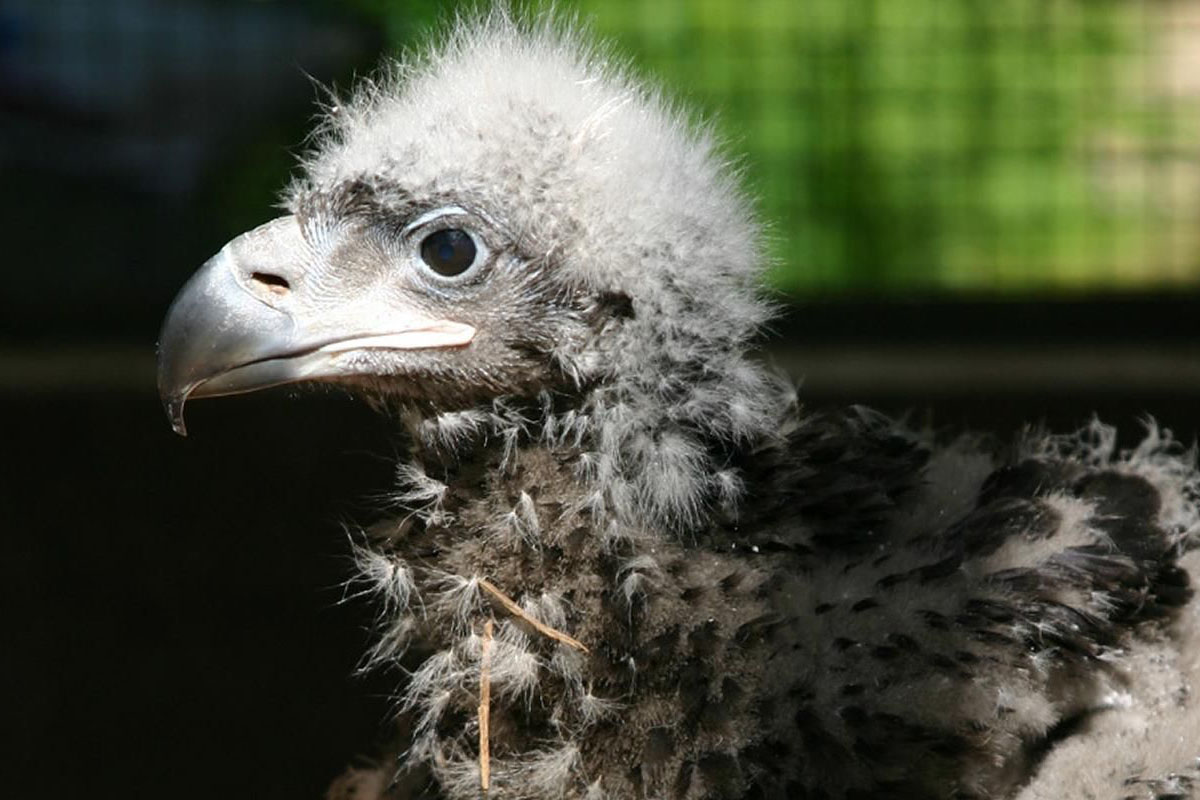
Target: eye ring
449	252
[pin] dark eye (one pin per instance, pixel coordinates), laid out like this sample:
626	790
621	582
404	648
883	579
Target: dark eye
448	252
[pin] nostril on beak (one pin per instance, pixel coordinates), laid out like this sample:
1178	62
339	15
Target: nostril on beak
272	284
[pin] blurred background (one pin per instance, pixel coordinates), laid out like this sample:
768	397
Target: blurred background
984	213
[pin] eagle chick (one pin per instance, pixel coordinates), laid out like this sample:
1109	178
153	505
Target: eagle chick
552	279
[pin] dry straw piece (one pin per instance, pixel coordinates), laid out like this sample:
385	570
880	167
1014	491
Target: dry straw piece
485	699
511	607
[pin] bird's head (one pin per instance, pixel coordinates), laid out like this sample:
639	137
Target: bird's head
506	214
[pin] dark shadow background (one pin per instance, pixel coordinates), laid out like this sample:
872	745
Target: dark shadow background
172	606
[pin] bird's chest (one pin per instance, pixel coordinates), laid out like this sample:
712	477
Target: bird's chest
584	652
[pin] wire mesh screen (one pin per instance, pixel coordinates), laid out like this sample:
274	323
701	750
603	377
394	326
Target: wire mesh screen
1014	146
1019	146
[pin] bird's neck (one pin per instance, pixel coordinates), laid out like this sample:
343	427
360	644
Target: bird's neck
649	453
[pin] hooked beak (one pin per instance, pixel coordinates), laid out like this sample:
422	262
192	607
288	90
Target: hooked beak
221	337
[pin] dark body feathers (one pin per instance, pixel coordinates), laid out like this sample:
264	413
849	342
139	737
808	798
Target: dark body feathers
832	638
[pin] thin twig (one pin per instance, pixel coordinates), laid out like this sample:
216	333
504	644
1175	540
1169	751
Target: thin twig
485	699
514	609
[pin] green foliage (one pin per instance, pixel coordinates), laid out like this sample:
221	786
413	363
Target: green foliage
930	145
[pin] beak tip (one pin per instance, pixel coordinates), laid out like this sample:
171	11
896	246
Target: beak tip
174	407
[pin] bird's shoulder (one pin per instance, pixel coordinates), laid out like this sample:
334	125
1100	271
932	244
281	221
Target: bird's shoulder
830	481
853	482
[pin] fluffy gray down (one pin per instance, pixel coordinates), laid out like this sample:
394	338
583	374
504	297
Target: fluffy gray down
767	600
